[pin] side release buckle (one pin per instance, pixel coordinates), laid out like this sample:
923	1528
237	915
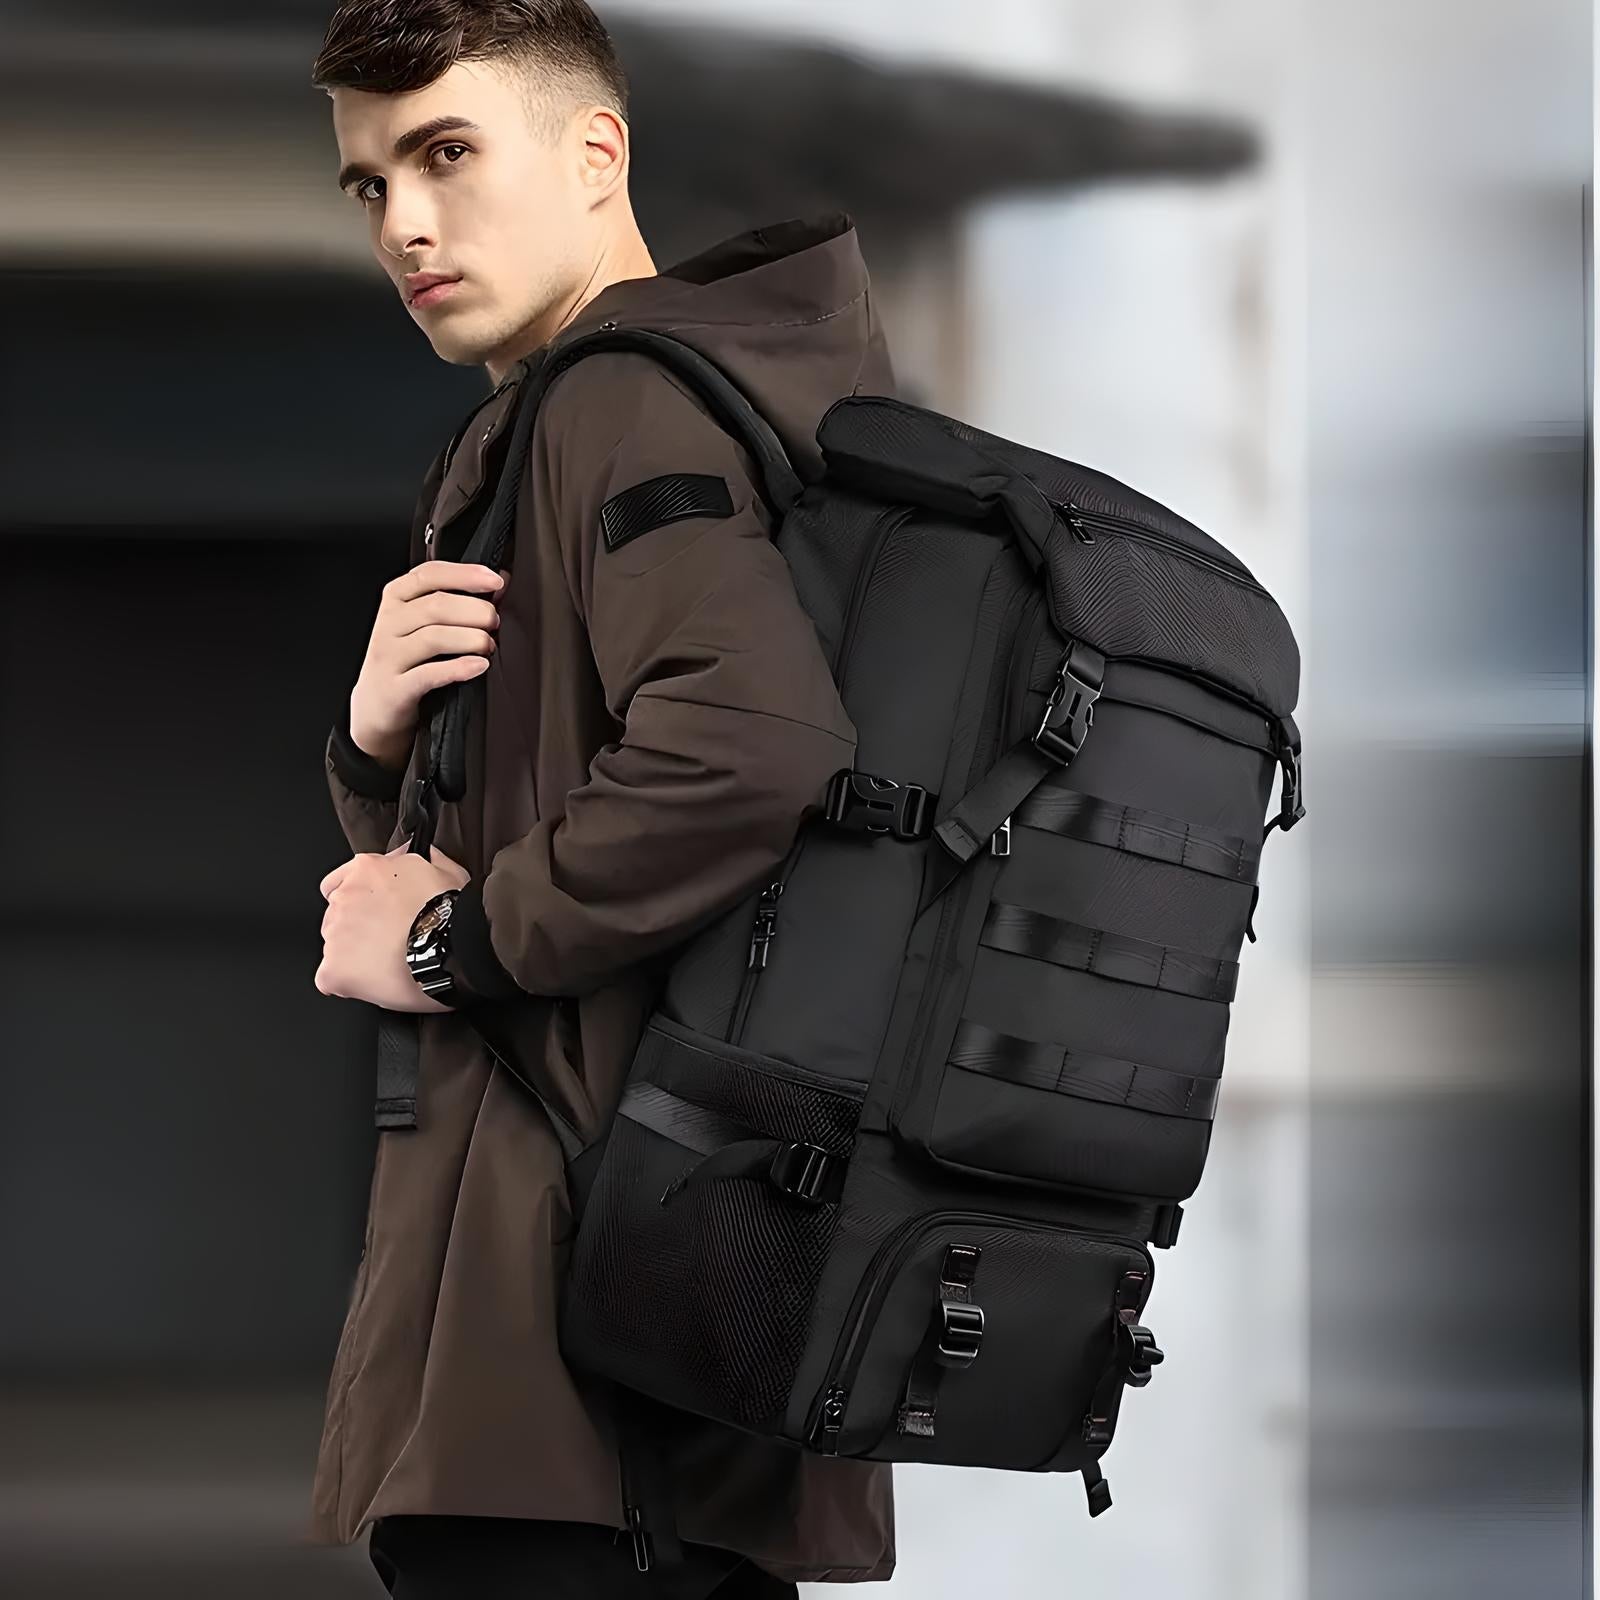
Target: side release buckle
1140	1353
866	804
1069	713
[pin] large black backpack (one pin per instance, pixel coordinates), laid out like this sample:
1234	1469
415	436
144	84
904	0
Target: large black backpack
896	1143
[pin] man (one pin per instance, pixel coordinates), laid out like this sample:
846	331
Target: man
657	720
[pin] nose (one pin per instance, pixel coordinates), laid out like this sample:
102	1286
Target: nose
406	228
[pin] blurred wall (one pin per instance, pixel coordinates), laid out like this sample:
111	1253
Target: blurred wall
1448	452
1359	363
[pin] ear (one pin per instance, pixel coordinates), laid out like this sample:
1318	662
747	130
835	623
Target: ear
604	152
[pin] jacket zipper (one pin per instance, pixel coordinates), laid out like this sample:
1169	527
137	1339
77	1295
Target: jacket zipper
1080	521
765	928
955	902
827	1413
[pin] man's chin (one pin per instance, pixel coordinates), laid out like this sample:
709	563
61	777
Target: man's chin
457	336
454	346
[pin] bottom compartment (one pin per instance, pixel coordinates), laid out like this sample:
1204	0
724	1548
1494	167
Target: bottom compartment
983	1341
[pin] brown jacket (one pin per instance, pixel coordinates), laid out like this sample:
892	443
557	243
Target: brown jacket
657	720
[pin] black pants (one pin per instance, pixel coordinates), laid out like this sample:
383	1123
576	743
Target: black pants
501	1558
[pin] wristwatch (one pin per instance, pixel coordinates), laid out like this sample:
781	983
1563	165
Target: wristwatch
428	947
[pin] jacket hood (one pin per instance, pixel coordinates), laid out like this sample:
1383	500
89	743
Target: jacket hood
785	311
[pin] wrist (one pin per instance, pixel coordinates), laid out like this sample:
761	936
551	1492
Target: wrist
358	768
392	751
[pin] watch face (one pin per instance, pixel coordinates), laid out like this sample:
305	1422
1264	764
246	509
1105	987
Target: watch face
430	920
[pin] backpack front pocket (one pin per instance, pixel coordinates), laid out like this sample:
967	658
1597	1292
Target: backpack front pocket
987	1341
1074	1035
707	1226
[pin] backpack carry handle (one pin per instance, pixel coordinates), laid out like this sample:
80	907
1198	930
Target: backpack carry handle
901	452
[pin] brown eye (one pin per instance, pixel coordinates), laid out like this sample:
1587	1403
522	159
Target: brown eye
440	149
364	193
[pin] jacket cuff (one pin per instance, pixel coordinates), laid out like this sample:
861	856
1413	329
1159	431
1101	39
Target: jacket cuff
477	972
357	770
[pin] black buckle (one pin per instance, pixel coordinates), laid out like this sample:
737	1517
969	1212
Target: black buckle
800	1171
960	1333
1294	806
1069	713
1164	1230
879	805
1140	1353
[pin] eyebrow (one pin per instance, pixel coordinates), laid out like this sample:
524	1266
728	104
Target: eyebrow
408	142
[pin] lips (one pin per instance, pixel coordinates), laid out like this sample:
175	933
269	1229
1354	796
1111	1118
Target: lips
425	288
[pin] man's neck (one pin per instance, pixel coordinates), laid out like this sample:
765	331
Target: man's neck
627	258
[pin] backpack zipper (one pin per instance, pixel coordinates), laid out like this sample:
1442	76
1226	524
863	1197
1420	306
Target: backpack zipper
1080	521
765	927
826	1421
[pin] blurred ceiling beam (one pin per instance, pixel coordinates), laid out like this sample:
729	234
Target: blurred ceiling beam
186	143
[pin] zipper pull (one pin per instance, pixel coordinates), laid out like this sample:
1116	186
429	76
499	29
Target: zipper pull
641	1539
1074	522
766	926
831	1422
427	537
1000	839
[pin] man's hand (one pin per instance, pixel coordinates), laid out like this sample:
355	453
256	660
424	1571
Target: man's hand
427	633
372	902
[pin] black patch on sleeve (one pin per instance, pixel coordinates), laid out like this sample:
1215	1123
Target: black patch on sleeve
655	503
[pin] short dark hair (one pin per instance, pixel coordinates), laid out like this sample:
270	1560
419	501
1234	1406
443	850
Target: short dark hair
391	46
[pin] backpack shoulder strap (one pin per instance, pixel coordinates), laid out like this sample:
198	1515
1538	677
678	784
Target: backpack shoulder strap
448	708
779	483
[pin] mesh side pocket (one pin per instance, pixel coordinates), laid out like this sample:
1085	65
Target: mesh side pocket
705	1303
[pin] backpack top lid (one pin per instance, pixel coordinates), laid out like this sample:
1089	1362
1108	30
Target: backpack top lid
1122	572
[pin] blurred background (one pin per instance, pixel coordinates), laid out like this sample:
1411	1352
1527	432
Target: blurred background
1314	274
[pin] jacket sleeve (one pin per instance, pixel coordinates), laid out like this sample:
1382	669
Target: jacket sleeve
731	722
365	792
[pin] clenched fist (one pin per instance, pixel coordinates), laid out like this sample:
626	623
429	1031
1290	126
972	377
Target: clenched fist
372	901
432	628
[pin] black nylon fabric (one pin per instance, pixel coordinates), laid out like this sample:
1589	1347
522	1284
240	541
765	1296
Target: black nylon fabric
1110	955
702	1301
1123	597
1075	815
1064	1071
1015	1044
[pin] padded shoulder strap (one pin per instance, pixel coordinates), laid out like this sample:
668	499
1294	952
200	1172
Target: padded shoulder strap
448	708
780	484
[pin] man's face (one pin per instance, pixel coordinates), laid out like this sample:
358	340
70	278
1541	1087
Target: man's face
458	183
